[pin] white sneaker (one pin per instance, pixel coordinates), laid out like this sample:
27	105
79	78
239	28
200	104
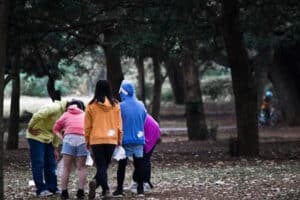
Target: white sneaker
133	187
147	187
45	193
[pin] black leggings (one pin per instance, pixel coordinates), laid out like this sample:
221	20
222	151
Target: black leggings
102	155
138	167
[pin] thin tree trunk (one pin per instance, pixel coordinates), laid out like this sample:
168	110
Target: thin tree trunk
244	87
175	74
4	7
156	89
13	131
141	78
195	116
53	93
114	68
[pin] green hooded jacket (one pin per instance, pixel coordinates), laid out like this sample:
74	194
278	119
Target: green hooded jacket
44	119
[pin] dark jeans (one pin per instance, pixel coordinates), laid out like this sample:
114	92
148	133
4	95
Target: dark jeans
138	168
43	166
147	167
102	156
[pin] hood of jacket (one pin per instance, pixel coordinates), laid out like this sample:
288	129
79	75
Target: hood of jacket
127	90
73	109
106	106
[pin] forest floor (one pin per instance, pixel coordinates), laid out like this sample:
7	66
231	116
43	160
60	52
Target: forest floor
185	169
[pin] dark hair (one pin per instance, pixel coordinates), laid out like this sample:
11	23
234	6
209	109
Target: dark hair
79	104
103	90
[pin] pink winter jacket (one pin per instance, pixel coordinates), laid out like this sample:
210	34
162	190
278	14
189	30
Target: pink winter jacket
152	133
72	121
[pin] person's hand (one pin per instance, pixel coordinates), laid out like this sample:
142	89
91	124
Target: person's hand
34	132
56	154
88	147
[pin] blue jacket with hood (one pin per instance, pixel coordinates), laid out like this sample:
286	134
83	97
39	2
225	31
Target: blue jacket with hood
133	115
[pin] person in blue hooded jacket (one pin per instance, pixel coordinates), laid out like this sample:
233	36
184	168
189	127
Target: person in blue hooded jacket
133	114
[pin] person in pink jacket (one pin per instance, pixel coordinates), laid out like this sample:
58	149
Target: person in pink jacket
74	148
152	135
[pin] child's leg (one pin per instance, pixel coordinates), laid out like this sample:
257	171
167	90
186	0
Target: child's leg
81	171
68	160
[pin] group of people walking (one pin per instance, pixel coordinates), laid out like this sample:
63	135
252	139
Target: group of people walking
97	129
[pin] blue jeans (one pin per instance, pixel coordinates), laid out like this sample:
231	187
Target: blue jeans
43	166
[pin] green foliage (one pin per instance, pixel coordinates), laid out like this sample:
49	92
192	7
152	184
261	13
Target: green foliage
217	87
32	86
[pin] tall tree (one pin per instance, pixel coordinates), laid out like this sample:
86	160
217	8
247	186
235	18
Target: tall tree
13	130
244	86
139	62
4	12
158	81
175	74
195	117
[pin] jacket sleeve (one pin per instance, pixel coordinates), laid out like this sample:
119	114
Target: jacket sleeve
59	125
42	114
56	141
120	132
88	125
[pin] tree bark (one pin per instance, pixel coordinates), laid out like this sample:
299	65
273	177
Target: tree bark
53	93
244	86
175	75
158	81
195	116
285	76
13	131
113	66
4	9
141	78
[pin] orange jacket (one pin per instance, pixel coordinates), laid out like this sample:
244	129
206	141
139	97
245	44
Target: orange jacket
103	123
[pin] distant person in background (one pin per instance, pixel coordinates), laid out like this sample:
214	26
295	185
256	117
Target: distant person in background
152	135
266	107
103	131
44	147
74	148
133	117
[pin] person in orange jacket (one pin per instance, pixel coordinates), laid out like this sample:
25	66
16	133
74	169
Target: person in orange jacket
103	131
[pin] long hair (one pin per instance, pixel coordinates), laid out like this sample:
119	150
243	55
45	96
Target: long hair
103	90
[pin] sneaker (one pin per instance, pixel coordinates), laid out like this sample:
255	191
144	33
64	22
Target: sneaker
133	187
92	189
140	194
147	187
118	193
80	194
105	193
64	194
44	193
57	191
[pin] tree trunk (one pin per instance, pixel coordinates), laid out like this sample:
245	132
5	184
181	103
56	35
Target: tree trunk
141	78
53	93
4	7
285	76
244	87
175	74
156	88
13	131
195	116
114	69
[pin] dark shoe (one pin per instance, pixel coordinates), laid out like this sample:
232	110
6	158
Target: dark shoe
64	194
118	193
105	194
80	194
140	194
92	189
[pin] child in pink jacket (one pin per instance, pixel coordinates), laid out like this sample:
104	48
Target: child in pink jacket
152	135
74	148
